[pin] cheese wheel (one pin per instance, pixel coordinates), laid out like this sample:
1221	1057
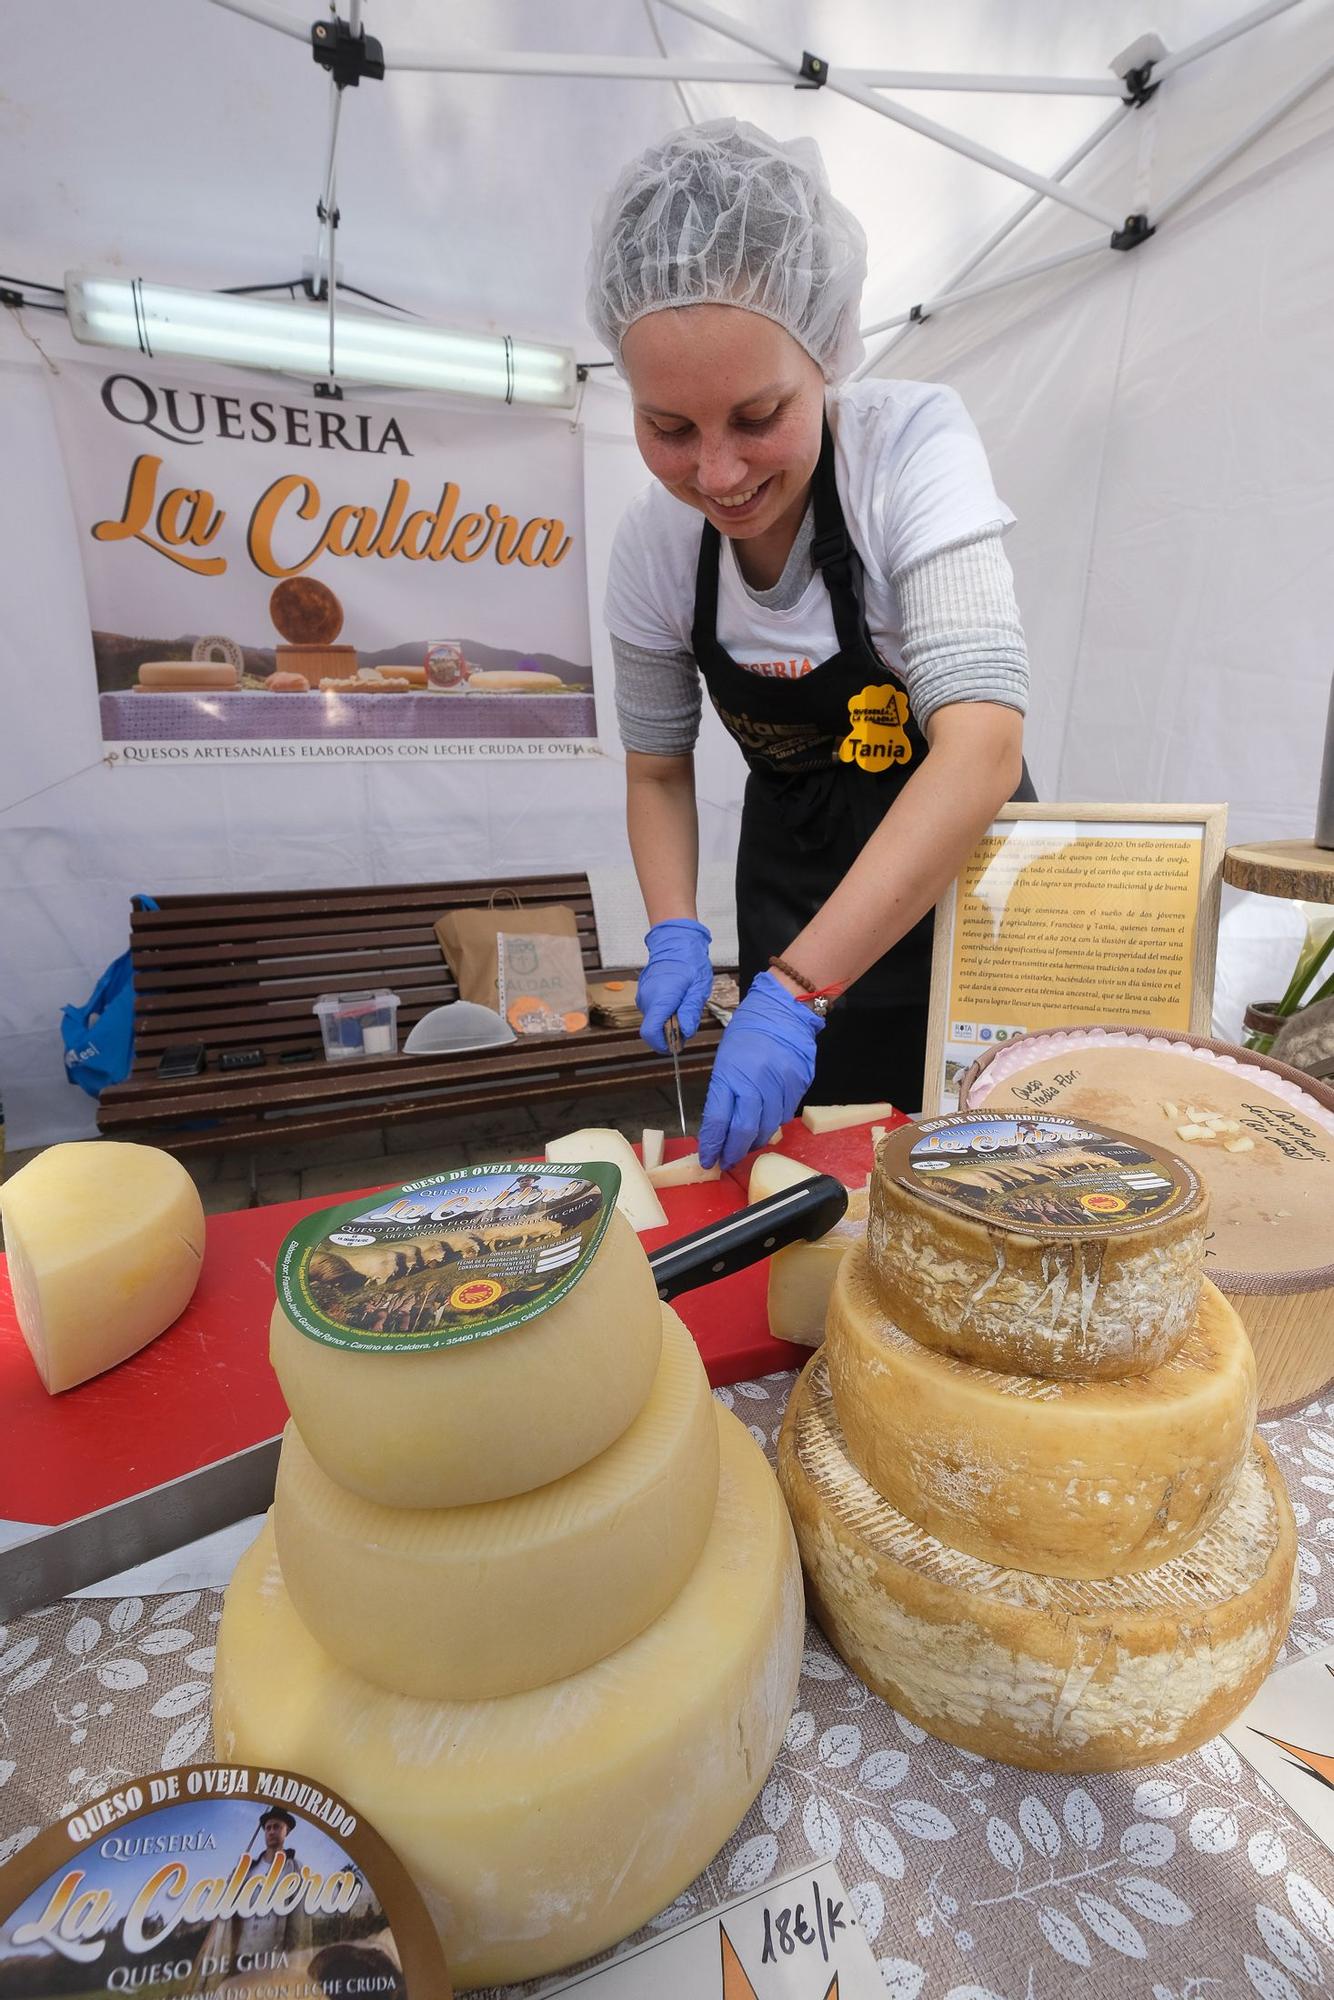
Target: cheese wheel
182	676
1045	1672
1082	1479
105	1243
801	1277
466	1603
505	680
1036	1245
453	1427
544	1827
1261	1138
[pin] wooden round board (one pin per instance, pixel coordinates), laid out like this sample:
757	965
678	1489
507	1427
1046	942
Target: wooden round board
1296	868
1260	1135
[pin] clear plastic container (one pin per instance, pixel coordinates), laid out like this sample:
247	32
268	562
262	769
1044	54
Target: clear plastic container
358	1024
460	1025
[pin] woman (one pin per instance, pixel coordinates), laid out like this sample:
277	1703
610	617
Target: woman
846	604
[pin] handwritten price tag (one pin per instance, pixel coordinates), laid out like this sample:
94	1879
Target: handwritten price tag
797	1939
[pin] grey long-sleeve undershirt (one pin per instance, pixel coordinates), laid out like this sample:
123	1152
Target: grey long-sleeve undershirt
962	640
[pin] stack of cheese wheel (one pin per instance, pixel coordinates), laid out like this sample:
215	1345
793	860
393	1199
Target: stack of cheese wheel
1023	1471
530	1602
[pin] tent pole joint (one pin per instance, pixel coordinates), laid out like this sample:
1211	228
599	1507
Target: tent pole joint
1136	229
347	56
917	317
813	74
1140	85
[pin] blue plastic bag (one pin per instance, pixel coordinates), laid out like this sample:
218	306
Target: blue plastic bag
99	1036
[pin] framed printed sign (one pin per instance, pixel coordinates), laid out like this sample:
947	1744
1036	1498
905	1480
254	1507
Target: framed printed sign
1067	914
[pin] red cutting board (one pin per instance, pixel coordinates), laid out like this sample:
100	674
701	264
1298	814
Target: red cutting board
205	1388
848	1155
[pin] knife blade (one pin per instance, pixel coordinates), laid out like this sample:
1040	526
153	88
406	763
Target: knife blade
672	1035
57	1561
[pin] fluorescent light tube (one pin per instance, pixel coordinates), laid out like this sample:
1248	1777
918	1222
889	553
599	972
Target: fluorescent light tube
260	333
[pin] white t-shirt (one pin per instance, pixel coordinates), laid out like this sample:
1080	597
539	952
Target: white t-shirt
913	479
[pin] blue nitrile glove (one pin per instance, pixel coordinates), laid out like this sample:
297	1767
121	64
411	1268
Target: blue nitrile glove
762	1070
678	979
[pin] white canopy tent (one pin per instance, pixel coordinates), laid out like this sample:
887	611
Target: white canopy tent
1161	418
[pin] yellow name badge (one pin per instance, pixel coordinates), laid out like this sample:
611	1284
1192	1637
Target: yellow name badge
877	737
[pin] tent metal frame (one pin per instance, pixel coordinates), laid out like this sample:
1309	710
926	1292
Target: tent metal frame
1133	87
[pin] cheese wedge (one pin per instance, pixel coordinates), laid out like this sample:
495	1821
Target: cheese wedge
543	1827
105	1241
651	1147
802	1277
1045	1672
685	1172
480	1421
1036	1245
468	1603
1082	1479
770	1173
637	1201
819	1118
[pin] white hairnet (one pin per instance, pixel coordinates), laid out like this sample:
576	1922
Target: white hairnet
721	214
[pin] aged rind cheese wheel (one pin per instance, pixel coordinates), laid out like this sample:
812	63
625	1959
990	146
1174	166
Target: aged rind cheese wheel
1270	1180
1036	1244
1050	1673
1079	1479
305	611
544	1827
467	1603
105	1242
182	676
482	1420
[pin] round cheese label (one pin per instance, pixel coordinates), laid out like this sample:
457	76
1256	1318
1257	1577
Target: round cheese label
1042	1176
216	1879
452	1258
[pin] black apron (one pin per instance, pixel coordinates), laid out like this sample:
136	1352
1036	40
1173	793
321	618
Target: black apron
827	755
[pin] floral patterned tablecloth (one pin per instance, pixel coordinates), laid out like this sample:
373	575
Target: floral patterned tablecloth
973	1881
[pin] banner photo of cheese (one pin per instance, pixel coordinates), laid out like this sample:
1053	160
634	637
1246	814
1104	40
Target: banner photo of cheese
104	1243
1032	1509
1259	1135
312	544
535	1594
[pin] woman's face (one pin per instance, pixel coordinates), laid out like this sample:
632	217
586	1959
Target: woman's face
728	412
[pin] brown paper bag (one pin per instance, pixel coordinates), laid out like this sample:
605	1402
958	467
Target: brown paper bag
468	940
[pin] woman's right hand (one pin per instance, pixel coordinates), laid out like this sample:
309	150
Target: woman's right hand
677	980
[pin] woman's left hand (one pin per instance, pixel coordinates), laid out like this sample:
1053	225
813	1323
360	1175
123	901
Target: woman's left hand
763	1069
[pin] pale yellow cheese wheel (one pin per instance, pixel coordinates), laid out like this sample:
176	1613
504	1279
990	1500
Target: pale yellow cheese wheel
465	1603
1079	1479
105	1243
544	1827
1052	1673
478	1421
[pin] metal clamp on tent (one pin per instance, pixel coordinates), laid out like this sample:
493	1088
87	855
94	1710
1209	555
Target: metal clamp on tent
1136	229
1140	84
347	56
814	72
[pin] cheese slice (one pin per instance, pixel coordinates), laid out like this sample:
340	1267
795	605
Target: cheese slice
1037	1245
637	1201
466	1603
802	1277
770	1173
651	1147
836	1117
105	1243
456	1426
544	1827
1045	1672
685	1172
1081	1479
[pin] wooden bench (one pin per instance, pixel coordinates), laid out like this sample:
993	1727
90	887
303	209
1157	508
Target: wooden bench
243	971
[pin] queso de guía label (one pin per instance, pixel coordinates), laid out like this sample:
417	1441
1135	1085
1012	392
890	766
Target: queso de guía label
452	1258
219	1880
1040	1174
